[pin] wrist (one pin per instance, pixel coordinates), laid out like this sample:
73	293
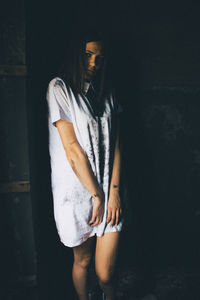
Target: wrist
114	187
98	195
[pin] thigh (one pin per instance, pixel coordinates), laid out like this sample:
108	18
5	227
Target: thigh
106	252
85	250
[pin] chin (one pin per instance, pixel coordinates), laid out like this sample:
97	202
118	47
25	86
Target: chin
88	77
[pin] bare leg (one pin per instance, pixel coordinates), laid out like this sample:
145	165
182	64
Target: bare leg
105	260
82	258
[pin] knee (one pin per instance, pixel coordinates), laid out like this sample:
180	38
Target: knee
104	276
82	263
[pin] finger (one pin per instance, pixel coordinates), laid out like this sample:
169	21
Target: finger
121	211
96	222
113	218
93	219
109	216
100	219
117	218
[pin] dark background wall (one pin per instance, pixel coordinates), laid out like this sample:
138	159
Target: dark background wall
156	64
17	248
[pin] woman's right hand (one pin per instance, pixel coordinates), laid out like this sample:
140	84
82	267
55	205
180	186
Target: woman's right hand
98	210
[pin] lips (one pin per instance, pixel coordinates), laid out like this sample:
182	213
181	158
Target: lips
91	71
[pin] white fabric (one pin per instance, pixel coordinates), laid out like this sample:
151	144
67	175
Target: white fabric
96	135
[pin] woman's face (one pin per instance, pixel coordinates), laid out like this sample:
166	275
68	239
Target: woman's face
94	58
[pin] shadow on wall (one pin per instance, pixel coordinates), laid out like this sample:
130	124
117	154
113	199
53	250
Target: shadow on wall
143	221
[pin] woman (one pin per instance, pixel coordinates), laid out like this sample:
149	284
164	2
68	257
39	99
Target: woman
85	163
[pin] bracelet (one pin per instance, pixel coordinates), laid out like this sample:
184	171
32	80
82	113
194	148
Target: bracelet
95	196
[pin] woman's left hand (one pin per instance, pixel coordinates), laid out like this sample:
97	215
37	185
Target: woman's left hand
114	210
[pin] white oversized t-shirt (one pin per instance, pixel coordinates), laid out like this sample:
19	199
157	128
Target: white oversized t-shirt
96	135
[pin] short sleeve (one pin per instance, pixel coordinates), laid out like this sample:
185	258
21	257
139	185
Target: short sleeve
58	102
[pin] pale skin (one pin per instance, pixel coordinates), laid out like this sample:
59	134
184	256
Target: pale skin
107	245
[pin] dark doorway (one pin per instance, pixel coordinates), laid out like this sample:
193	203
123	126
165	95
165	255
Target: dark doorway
156	69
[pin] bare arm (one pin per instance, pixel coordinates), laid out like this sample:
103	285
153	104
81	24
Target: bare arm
115	179
114	203
81	166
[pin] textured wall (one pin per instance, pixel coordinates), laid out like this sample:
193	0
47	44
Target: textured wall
18	257
167	60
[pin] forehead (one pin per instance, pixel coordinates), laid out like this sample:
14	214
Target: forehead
94	47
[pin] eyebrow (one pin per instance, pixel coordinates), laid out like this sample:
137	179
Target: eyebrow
93	52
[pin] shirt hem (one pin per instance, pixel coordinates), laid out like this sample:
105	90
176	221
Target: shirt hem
79	242
93	233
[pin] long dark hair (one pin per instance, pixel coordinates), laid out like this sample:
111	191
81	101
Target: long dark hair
72	68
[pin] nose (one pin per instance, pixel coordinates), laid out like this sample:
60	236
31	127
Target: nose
92	62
